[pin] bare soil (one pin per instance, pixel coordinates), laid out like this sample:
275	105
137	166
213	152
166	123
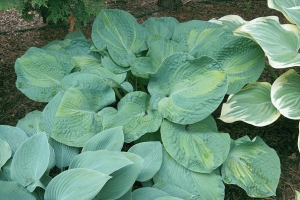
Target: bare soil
281	135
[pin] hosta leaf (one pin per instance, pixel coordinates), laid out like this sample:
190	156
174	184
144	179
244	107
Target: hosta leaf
173	190
109	64
231	21
110	139
168	198
202	186
285	93
76	120
13	190
119	32
32	123
148	193
103	161
196	35
76	184
31	160
299	138
280	43
39	73
134	114
181	81
14	136
194	146
163	26
241	58
253	166
297	197
63	153
123	179
251	105
6	169
290	9
151	152
5	152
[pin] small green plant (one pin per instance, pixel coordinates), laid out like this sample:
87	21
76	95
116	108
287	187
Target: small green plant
154	87
247	6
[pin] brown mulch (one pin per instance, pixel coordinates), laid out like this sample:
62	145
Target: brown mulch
281	135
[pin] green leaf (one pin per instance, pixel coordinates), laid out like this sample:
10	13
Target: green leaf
194	36
14	136
182	83
297	197
5	152
251	105
111	139
109	64
76	184
32	123
253	166
134	114
290	9
6	169
202	186
119	32
148	193
162	27
76	120
173	190
280	43
13	190
63	153
241	58
123	179
194	146
103	161
285	93
39	73
168	198
31	160
231	21
299	138
151	152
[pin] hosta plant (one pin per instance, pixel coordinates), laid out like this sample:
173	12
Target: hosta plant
129	113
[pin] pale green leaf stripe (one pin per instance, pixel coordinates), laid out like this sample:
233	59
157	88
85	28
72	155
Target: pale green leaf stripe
193	146
12	190
280	43
285	94
231	21
297	197
5	152
284	6
251	105
76	184
253	166
299	138
202	186
30	160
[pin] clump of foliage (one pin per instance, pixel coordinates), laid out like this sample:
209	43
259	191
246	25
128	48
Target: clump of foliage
153	86
54	11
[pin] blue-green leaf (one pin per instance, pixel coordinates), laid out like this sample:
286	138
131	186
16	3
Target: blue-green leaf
12	190
5	152
148	193
253	166
195	146
76	184
32	123
182	84
39	73
162	27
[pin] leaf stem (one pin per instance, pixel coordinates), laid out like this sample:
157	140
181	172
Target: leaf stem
117	93
271	71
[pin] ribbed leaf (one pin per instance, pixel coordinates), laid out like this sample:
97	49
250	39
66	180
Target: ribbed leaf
39	73
32	123
168	198
251	105
123	179
202	186
290	9
231	21
119	32
280	43
195	146
103	161
31	160
110	139
151	152
285	93
253	166
181	83
12	190
148	193
63	153
5	152
173	190
6	169
14	136
76	184
76	120
134	114
163	26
